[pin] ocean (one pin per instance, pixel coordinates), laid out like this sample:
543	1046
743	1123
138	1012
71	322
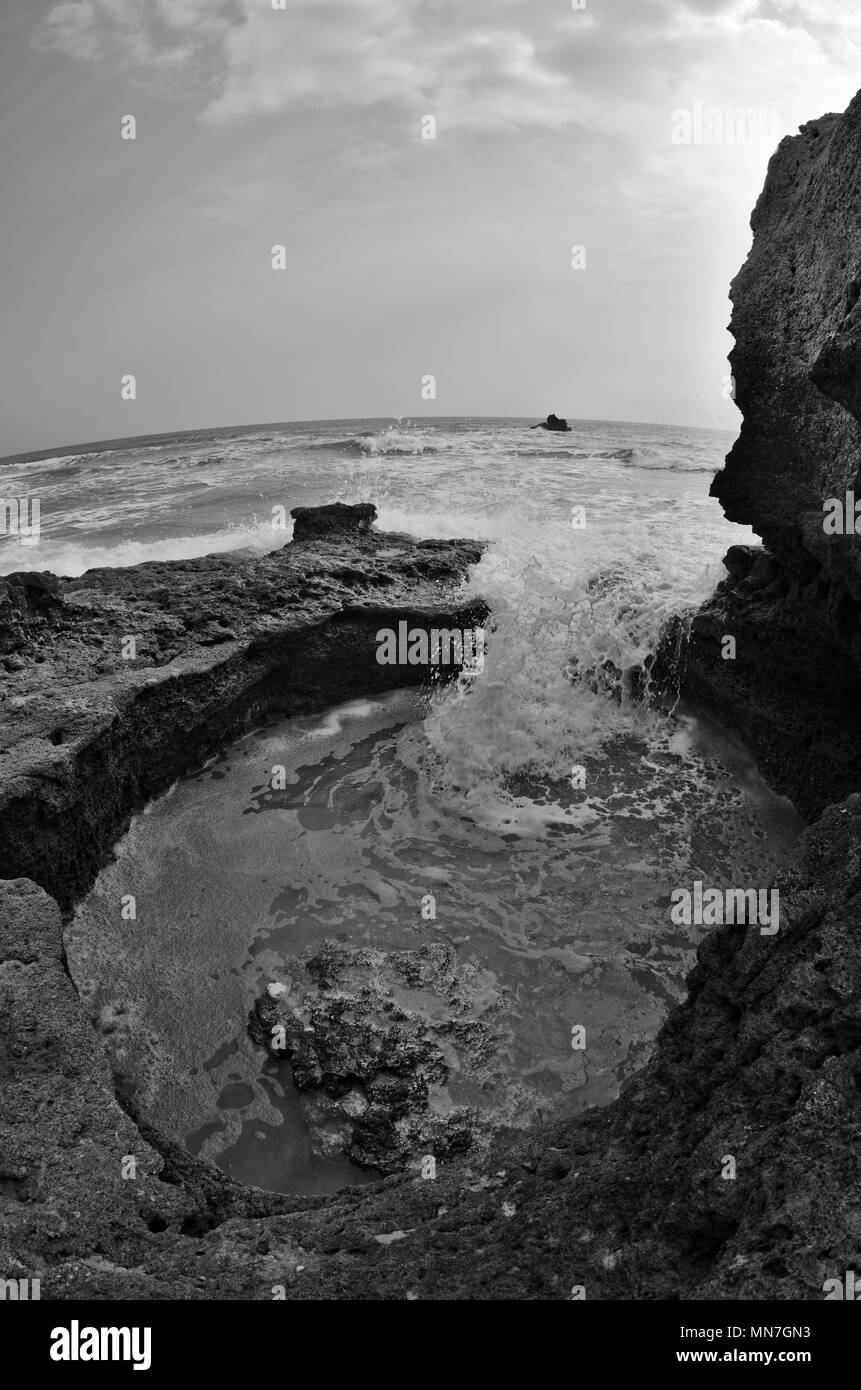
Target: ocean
595	539
168	497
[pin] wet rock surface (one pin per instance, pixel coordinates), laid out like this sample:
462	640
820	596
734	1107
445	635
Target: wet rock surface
394	1052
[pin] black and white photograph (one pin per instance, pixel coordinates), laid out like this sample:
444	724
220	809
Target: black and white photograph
430	672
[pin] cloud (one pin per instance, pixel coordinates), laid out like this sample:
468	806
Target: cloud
341	53
73	27
484	66
493	63
154	35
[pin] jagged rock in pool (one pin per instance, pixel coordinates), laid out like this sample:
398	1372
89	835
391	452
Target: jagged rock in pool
394	1052
553	422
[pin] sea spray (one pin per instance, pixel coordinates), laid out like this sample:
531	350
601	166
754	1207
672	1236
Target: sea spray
560	606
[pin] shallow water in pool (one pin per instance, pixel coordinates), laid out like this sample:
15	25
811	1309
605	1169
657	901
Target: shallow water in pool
562	894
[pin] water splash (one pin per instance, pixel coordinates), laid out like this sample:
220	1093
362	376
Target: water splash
563	604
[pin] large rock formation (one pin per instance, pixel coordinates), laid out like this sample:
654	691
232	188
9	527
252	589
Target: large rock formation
793	691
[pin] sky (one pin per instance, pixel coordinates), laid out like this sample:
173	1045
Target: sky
557	126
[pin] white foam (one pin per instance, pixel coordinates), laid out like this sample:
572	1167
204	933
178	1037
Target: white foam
57	459
333	723
400	440
74	558
562	602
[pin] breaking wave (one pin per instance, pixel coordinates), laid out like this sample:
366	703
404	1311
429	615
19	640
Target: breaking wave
70	558
394	441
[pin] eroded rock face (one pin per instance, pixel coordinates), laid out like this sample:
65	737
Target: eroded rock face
793	691
390	1050
30	605
795	324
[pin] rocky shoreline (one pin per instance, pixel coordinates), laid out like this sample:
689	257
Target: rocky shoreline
118	682
761	1063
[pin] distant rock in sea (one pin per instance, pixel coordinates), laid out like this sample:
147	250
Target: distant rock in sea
554	423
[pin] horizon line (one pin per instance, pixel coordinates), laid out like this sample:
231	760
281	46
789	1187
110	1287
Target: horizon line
35	455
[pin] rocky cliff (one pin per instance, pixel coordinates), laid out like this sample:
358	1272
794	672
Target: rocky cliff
793	690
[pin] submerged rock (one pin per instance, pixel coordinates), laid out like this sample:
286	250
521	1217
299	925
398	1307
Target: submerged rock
390	1050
